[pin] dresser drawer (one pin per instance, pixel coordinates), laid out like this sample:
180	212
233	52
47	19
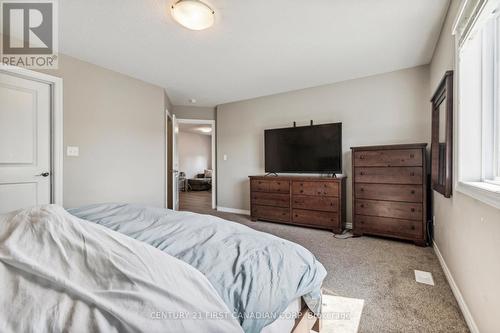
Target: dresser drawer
407	193
399	210
315	188
311	217
276	186
406	157
271	213
330	204
395	175
260	185
389	226
279	186
271	199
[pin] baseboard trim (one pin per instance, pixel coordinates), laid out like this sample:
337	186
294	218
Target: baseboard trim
233	210
456	291
348	225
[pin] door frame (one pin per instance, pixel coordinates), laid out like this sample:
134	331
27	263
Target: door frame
211	123
169	129
56	126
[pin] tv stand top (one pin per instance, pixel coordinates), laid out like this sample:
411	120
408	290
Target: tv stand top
296	177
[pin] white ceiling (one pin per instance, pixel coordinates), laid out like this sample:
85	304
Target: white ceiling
255	48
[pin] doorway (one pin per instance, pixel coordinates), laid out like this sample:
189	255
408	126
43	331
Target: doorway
30	139
193	165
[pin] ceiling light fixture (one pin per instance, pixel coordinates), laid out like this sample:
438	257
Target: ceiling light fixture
205	129
193	14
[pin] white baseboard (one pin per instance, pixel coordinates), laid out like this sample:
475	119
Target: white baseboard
233	210
456	291
348	225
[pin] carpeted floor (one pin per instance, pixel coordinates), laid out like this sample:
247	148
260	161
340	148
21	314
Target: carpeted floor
381	272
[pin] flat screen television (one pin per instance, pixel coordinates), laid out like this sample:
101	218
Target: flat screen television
305	149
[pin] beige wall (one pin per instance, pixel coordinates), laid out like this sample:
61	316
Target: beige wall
193	112
118	123
195	153
383	109
467	232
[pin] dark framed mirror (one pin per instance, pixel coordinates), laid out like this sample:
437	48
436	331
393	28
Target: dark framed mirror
442	136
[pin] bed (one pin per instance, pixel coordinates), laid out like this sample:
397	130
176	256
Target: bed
262	280
61	274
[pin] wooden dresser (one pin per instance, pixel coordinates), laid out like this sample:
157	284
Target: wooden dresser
390	191
307	201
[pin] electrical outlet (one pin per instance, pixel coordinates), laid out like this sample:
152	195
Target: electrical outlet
225	157
72	151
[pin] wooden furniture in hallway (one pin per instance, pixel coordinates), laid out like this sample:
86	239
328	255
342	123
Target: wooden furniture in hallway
390	191
317	202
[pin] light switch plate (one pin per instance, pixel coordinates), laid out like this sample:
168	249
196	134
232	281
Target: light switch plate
424	277
72	151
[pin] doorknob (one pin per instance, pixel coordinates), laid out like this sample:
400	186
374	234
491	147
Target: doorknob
44	174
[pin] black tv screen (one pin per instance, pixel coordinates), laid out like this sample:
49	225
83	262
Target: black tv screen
306	149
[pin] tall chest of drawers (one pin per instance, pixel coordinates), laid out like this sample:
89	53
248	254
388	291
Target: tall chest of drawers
317	202
390	191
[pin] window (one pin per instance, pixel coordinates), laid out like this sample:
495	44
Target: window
478	56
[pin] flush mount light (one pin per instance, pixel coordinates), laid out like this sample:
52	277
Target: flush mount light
193	14
205	129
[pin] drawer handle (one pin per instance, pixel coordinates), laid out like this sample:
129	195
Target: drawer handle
412	155
362	189
331	220
412	191
412	174
361	157
301	191
296	215
319	192
362	222
412	227
331	204
283	213
324	185
362	206
361	173
413	210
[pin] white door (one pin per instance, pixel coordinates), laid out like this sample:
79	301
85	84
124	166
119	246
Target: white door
25	179
175	164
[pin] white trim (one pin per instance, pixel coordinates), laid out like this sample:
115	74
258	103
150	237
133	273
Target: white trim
214	166
348	225
456	292
484	192
57	147
167	116
233	210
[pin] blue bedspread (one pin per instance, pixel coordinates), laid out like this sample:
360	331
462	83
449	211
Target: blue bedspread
256	274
